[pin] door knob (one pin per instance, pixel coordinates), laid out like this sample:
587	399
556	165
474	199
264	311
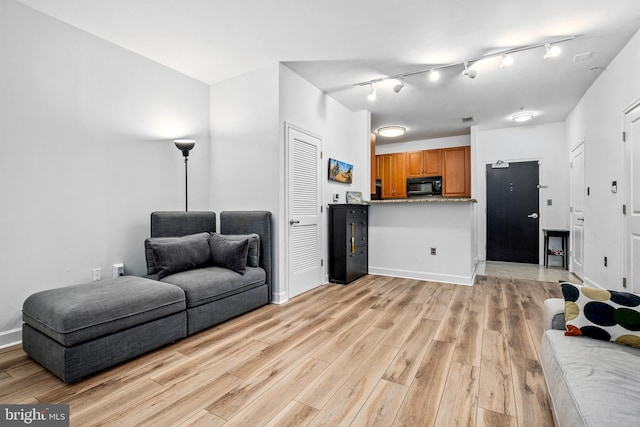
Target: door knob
533	215
291	222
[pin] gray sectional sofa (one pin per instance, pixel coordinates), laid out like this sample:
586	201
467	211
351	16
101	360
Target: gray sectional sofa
590	382
214	293
196	279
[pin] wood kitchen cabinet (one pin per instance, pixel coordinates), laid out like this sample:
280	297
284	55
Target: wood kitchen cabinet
393	176
424	163
348	242
378	168
456	176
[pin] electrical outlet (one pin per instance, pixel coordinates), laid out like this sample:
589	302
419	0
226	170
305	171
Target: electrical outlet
117	270
433	251
97	274
549	202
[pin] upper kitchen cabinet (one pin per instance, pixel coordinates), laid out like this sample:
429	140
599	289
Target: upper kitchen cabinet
393	175
456	177
424	163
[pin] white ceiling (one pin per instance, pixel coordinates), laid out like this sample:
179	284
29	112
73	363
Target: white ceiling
336	44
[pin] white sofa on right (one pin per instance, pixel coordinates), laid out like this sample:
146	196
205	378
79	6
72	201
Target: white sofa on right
591	382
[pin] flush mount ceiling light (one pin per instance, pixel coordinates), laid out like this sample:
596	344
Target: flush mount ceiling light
391	131
397	88
522	116
372	92
469	73
551	51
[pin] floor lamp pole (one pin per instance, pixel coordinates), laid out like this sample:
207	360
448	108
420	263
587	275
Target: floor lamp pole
186	186
185	145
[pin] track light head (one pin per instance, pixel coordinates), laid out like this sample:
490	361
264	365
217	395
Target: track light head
372	92
397	88
507	61
551	51
469	73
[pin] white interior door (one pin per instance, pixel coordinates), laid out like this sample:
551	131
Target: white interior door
632	200
305	270
577	209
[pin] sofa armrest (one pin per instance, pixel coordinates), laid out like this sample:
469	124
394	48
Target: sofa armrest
554	314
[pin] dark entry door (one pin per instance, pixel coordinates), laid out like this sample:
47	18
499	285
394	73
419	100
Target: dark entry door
512	212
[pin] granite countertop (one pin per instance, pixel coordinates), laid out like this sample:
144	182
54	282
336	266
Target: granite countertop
425	200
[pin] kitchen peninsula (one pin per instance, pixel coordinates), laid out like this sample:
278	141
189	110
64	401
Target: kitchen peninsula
403	234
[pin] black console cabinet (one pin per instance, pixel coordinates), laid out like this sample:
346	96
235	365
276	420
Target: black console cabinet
348	242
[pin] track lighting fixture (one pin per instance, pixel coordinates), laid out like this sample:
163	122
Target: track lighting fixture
397	88
522	116
372	92
507	61
469	73
551	51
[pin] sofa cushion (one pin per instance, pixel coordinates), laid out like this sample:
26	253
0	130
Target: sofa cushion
253	256
175	254
602	314
207	284
230	254
79	313
590	382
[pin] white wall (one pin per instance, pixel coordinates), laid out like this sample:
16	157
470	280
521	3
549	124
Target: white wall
545	143
248	117
423	144
401	236
86	154
246	150
598	119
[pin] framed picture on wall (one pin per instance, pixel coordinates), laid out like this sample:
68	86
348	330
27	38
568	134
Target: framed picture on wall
354	197
340	171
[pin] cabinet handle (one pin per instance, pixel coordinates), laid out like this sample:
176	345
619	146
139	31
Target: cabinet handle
353	237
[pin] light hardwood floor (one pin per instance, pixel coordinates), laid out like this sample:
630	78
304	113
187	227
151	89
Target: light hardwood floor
381	351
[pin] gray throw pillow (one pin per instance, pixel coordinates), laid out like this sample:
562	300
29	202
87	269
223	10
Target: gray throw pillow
253	256
231	254
175	254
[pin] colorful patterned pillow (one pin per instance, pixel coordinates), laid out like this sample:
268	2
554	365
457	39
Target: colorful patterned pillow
602	314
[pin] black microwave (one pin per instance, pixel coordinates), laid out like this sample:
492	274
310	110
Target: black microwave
428	186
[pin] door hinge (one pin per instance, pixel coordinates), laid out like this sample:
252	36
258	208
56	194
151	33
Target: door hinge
624	136
624	209
570	208
624	282
321	208
321	154
321	262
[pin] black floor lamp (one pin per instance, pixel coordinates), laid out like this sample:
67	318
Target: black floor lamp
185	145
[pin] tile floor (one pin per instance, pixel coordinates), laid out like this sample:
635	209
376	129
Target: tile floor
526	271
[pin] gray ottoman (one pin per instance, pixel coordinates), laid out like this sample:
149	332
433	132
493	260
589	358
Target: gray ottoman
79	330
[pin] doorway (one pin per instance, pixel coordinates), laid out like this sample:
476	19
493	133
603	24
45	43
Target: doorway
304	211
577	209
512	212
632	200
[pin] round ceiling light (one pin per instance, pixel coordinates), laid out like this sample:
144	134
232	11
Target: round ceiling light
391	131
522	116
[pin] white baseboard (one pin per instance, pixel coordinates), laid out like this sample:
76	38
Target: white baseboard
444	278
10	337
279	298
